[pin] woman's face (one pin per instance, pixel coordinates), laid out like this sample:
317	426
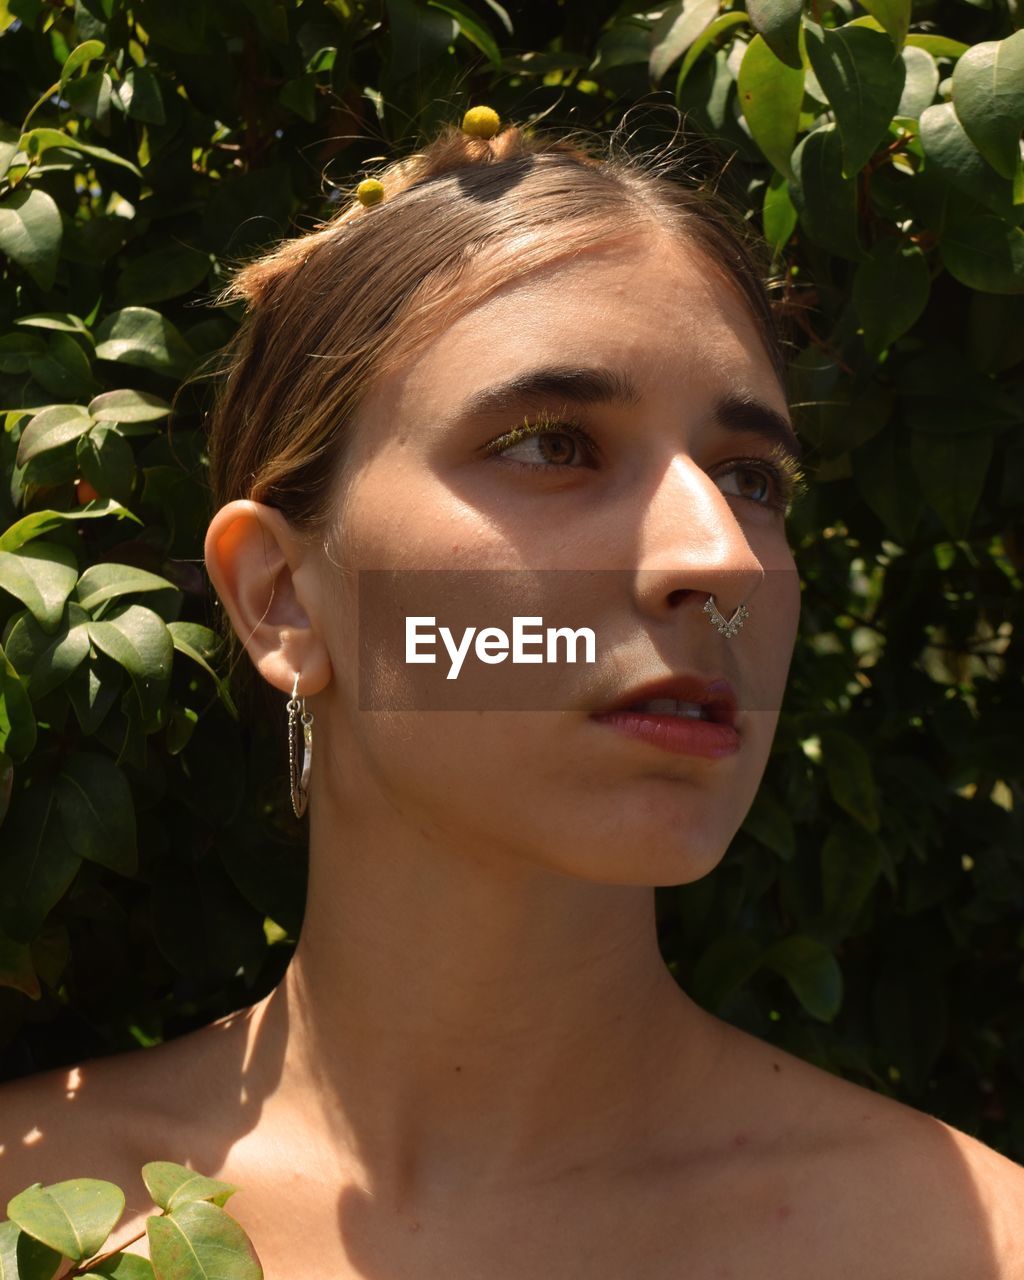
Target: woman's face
651	497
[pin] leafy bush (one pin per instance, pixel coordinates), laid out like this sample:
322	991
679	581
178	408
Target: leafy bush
70	1221
868	914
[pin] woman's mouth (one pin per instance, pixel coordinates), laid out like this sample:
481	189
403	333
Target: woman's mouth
695	728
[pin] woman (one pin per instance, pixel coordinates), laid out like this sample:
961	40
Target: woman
552	376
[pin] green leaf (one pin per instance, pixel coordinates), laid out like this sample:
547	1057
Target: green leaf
51	428
851	778
710	33
778	213
17	719
921	84
910	1018
48	660
470	26
678	27
62	368
107	580
983	253
105	459
199	1241
42	576
36	865
951	470
17	350
623	44
128	406
38	523
18	972
58	321
894	15
73	1217
172	1185
201	644
140	96
951	153
93	690
812	972
884	478
139	336
937	46
988	96
6	774
778	21
769	822
38	141
30	233
851	862
90	96
890	291
138	640
863	76
723	968
995	324
419	37
770	95
163	273
824	199
123	1266
97	812
22	1258
9	136
80	56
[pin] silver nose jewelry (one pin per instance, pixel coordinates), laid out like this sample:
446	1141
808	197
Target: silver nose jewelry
727	626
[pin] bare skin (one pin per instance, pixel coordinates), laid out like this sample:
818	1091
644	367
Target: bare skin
477	1064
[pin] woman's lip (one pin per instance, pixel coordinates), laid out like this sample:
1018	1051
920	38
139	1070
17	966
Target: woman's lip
682	735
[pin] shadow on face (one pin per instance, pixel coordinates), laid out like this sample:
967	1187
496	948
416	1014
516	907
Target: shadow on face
591	446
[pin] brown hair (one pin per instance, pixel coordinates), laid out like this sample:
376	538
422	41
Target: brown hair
332	310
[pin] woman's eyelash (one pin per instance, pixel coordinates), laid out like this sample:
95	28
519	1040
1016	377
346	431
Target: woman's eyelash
542	425
788	480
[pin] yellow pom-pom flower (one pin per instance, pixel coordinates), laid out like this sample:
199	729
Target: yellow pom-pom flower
481	122
370	191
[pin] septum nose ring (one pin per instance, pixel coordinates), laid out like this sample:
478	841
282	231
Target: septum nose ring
727	626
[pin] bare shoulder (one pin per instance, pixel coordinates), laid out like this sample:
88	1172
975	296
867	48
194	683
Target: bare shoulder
880	1188
977	1197
105	1117
74	1122
938	1202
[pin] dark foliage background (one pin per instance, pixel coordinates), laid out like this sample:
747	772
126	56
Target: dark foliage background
868	915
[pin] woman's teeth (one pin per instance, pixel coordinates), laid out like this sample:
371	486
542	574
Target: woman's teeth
671	707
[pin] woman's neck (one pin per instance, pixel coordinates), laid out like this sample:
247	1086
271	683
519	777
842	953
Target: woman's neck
454	1023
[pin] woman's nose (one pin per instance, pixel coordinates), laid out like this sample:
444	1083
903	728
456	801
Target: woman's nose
691	544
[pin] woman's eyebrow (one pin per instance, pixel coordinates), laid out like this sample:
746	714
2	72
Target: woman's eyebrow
586	385
748	414
581	385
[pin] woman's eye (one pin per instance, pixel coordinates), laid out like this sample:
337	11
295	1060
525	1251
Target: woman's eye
760	478
545	446
779	477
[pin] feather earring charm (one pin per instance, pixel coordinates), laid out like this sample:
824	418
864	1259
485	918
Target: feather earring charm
300	736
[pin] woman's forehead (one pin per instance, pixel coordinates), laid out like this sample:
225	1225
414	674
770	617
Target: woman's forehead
661	311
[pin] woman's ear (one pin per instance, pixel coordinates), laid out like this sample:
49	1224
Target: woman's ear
265	577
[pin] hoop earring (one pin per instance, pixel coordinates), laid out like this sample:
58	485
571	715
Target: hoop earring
299	716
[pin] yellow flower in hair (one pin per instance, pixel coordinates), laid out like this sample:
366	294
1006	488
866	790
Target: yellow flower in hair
370	191
481	122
